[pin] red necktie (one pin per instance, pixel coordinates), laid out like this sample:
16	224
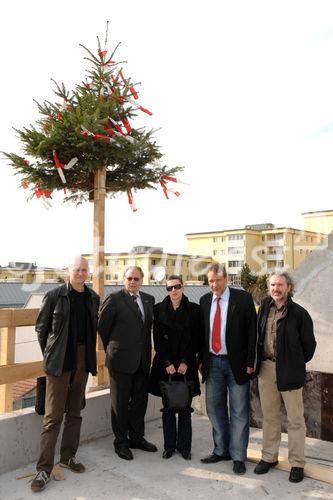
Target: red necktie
216	334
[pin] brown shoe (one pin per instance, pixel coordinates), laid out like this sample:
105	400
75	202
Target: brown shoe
73	465
40	481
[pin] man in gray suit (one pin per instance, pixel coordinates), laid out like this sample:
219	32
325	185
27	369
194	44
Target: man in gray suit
125	329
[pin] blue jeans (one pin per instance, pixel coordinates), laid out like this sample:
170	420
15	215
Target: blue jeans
230	424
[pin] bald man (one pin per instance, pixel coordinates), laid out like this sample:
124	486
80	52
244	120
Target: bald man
66	328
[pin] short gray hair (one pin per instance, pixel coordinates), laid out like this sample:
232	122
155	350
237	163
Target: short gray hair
129	268
287	277
217	268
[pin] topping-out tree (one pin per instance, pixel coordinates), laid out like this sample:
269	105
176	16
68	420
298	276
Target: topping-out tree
85	143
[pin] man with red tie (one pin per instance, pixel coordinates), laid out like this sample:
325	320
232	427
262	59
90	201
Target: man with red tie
229	324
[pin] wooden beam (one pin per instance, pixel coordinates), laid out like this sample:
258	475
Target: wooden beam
99	264
99	229
20	371
18	317
100	358
315	471
7	356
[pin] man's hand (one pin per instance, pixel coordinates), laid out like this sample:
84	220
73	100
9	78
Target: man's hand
182	368
249	370
170	370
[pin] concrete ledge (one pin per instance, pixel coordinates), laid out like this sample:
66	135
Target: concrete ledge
20	430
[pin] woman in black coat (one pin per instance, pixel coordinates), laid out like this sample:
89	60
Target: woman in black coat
176	342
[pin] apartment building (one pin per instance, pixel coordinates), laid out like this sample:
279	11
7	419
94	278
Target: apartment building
262	246
28	272
320	221
156	265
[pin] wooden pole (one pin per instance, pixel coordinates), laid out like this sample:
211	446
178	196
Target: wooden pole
7	357
98	258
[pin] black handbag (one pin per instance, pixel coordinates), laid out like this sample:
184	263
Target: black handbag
176	394
40	395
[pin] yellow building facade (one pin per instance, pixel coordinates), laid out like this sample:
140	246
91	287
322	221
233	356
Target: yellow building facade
29	273
262	246
320	222
156	265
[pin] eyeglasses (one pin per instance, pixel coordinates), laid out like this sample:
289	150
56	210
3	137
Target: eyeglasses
129	278
174	287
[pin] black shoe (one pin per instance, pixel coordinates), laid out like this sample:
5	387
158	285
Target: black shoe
143	444
263	467
72	464
213	458
239	467
124	452
186	455
296	474
167	454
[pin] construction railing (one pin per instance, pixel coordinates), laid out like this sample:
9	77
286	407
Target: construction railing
11	372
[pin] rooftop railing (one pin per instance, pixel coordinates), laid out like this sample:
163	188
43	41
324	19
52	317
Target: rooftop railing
11	372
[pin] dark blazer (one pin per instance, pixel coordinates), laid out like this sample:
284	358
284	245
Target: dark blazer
176	340
52	327
295	344
126	339
240	333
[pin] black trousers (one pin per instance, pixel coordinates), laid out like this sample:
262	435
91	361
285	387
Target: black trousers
177	439
129	398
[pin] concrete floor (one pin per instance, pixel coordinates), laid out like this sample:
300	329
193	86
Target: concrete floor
149	477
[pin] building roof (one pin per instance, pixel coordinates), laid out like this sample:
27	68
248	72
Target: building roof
318	212
248	229
17	294
23	387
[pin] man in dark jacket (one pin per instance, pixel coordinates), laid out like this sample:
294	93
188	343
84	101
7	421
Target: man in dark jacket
125	325
285	343
66	327
229	323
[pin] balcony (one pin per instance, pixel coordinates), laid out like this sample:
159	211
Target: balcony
275	243
275	256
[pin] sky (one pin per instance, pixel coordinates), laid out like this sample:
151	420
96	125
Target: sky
241	94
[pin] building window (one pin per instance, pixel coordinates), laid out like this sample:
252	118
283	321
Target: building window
28	401
233	237
214	252
235	263
300	251
222	238
108	277
236	250
214	239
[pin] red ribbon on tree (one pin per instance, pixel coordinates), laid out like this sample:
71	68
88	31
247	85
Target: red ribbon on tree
131	200
59	166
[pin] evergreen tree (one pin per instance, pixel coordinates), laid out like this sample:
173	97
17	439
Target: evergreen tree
248	278
89	128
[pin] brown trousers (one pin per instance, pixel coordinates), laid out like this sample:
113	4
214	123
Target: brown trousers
64	393
270	399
